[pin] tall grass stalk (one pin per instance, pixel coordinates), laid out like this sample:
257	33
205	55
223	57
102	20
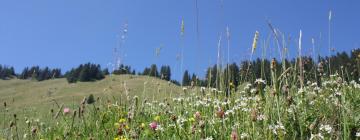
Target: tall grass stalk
314	57
228	59
218	71
300	62
253	48
329	39
182	48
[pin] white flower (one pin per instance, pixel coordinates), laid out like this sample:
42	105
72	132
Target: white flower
159	128
357	134
213	90
253	91
301	90
202	89
244	135
258	81
208	138
162	105
318	136
229	112
277	128
314	84
326	128
25	135
172	125
245	109
243	104
181	121
247	86
261	117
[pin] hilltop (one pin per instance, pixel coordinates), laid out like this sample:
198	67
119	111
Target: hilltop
37	97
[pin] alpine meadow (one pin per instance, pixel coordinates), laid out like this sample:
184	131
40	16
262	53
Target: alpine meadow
179	70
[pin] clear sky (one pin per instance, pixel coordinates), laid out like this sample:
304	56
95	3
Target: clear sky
66	33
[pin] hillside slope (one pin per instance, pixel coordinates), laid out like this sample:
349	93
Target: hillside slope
37	97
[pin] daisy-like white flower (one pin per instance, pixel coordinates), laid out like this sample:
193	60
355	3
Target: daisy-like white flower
244	135
326	128
261	117
258	81
316	136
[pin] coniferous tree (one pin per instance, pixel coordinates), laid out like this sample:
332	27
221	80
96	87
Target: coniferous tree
153	71
146	71
165	73
186	79
106	71
7	72
84	73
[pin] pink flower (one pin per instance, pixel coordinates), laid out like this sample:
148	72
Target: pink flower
220	113
234	135
153	125
197	115
66	110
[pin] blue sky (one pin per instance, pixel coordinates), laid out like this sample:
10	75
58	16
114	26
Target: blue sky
67	33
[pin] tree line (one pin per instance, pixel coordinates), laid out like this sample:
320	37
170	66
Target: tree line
7	72
85	72
39	74
342	63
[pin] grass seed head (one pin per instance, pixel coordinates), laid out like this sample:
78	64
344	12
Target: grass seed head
254	45
253	115
273	64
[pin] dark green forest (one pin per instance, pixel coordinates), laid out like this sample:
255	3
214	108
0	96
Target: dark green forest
345	64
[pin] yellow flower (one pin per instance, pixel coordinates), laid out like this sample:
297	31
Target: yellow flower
116	139
142	125
191	119
126	127
122	120
157	118
122	138
232	86
116	125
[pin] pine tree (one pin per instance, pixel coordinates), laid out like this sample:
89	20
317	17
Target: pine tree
106	71
85	74
165	73
186	79
153	71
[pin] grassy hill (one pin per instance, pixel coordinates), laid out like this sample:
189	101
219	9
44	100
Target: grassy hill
32	97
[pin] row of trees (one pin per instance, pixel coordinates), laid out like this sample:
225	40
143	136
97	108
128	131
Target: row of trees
341	63
165	72
123	69
85	72
39	74
7	72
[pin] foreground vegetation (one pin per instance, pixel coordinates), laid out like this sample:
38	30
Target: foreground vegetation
253	111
